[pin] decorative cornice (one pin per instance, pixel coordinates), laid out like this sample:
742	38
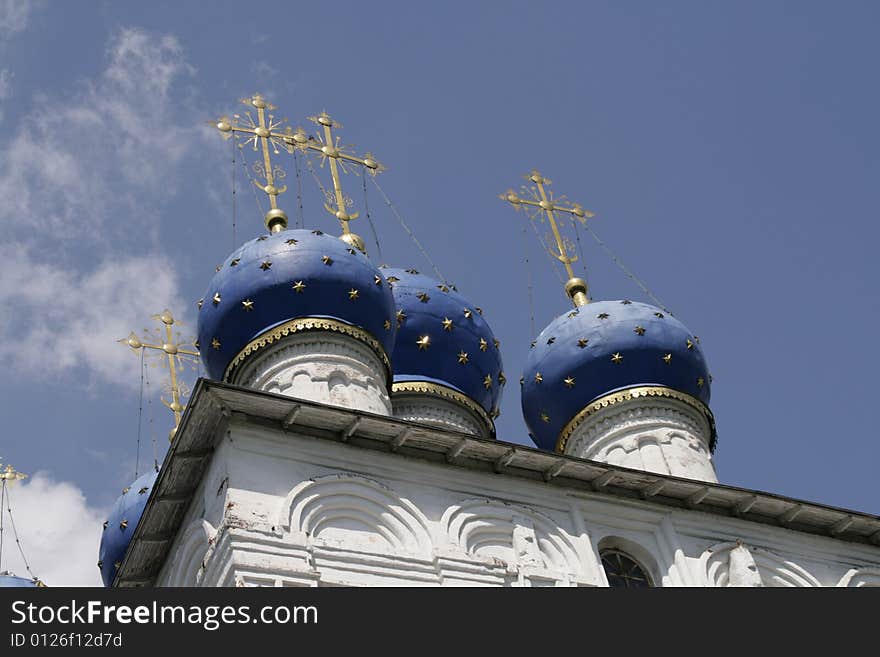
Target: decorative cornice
431	388
629	394
305	325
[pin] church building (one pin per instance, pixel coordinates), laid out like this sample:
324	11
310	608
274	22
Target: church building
343	434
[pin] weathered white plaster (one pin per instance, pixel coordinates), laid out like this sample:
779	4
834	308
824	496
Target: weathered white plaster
322	366
279	508
655	434
434	411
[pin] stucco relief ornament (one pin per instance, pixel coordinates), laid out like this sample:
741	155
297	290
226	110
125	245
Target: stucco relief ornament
525	544
742	569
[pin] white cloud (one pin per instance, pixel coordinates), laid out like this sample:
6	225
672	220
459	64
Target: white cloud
14	15
83	173
60	533
77	161
65	319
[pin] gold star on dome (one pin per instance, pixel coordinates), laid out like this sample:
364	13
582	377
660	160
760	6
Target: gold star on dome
487	381
424	342
262	238
248	305
447	324
626	302
551	340
483	344
467	313
690	345
572	314
392	279
443	288
125	490
387	324
143	490
602	316
217	268
234	262
710	378
462	358
424	298
377	280
522	380
401	317
353	294
291	242
697	339
639	330
215	343
117	564
496	342
351	251
667	359
659	315
265	265
544	417
532	344
538	377
700	382
501	378
327	260
106	523
298	287
583	342
199	304
411	271
478	309
617	358
216	299
569	382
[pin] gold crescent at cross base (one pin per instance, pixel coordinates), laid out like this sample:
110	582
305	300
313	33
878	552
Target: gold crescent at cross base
543	204
172	350
431	388
621	396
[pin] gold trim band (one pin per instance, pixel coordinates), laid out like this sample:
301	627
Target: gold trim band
304	325
444	392
634	393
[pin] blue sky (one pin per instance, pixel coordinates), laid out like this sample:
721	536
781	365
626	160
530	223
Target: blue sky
729	151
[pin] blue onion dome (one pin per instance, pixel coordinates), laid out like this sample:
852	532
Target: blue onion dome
443	340
121	523
602	348
10	581
270	285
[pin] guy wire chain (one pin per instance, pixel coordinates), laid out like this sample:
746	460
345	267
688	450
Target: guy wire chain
577	232
253	186
15	533
548	250
137	456
150	422
529	277
370	218
409	231
232	143
300	221
626	271
2	504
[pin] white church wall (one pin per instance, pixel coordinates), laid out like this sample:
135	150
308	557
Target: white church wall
281	509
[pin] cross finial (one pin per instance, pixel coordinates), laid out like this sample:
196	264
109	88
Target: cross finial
335	153
174	351
10	474
539	203
264	133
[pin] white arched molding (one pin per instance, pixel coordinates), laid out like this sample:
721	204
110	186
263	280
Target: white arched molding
730	564
517	535
354	512
860	577
191	553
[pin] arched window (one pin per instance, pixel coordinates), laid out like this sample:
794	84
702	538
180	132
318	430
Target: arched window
623	571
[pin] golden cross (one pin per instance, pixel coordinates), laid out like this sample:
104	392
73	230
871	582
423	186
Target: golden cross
174	351
333	152
263	133
9	474
541	203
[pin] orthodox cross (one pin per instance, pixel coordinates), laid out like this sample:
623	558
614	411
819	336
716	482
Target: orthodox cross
539	203
171	348
335	153
9	474
264	133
